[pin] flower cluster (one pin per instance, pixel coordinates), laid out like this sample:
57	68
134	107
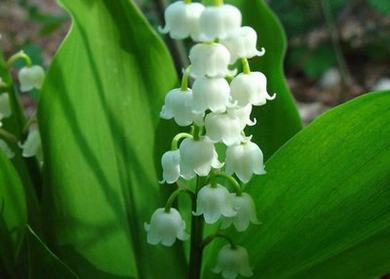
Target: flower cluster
30	77
218	107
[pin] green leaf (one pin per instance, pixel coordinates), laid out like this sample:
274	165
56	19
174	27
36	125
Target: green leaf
13	214
279	120
43	262
324	202
99	115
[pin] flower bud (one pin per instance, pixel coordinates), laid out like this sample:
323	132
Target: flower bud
5	106
31	77
170	162
223	127
165	227
197	157
244	159
242	44
243	114
32	145
182	20
178	105
250	89
246	213
217	22
5	148
233	261
210	93
209	60
214	202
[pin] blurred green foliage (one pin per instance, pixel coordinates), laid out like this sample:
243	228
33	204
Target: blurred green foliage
301	17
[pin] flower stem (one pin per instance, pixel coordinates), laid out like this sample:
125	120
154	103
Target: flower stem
231	180
177	138
218	2
175	194
8	136
196	131
196	240
33	119
210	238
184	80
245	66
19	55
187	1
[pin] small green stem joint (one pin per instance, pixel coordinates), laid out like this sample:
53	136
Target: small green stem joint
245	66
19	55
187	1
196	132
218	2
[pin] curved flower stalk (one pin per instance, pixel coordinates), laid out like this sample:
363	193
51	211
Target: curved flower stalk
218	112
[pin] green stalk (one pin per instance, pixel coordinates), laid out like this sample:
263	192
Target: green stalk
8	136
210	238
245	66
196	240
218	2
184	80
20	55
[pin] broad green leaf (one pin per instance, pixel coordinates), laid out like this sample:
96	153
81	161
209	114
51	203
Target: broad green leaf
43	262
279	119
13	214
325	201
99	115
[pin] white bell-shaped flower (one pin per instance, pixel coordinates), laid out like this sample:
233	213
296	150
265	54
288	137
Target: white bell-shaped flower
211	60
244	159
197	157
5	106
223	127
243	114
246	213
233	261
31	77
182	20
5	148
32	145
217	22
250	89
178	105
242	44
210	93
170	162
165	227
214	202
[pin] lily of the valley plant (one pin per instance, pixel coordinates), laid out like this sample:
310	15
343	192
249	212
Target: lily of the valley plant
117	194
218	108
30	77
